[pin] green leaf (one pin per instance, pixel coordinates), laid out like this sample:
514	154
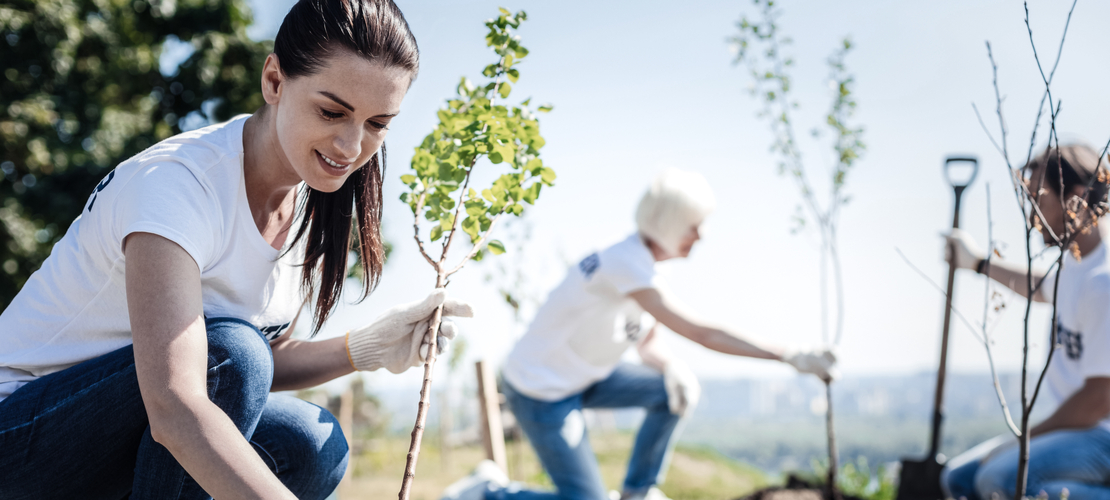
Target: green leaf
488	195
504	89
408	179
548	175
545	108
513	75
470	227
531	194
496	247
495	157
437	232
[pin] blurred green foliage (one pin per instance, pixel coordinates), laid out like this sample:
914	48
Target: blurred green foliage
83	88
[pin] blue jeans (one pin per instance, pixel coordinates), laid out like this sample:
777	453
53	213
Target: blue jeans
1078	460
83	432
557	432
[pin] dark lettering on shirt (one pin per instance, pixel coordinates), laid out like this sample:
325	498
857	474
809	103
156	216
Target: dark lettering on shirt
1070	341
100	187
273	332
589	265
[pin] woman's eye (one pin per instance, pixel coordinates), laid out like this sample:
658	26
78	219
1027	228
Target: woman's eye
330	115
378	126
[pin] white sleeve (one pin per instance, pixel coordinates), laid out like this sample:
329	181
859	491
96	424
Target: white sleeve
1048	286
1094	325
168	200
627	272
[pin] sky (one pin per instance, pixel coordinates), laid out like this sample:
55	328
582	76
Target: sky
640	86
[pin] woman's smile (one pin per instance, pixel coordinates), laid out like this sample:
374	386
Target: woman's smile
331	166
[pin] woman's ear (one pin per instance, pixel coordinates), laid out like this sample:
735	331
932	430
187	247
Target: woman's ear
272	80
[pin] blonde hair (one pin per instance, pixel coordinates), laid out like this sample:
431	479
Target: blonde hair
676	201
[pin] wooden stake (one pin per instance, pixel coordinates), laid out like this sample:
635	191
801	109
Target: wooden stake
493	433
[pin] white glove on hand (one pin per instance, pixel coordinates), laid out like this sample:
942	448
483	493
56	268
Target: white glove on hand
820	362
682	387
967	254
396	340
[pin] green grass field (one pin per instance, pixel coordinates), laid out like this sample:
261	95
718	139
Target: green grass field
696	473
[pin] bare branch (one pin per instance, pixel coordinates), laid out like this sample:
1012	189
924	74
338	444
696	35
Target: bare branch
1048	81
987	131
416	230
986	315
967	322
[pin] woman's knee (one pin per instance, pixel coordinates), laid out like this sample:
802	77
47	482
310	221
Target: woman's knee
240	369
304	445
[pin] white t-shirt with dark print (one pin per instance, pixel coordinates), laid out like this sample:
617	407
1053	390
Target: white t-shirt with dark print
586	324
188	189
1083	325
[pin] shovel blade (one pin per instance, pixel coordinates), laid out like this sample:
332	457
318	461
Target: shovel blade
920	480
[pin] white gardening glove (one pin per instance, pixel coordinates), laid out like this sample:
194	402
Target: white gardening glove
397	340
818	361
682	387
967	251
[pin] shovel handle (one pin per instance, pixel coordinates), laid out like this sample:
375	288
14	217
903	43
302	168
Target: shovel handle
960	159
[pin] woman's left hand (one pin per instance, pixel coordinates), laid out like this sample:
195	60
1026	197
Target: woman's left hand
398	339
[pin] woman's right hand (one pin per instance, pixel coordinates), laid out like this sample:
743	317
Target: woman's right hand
397	340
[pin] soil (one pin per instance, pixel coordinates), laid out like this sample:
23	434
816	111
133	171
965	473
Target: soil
795	489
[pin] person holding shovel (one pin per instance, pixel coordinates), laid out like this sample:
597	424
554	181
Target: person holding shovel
1070	450
138	361
569	359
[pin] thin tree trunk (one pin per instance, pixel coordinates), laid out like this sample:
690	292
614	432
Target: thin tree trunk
834	466
425	400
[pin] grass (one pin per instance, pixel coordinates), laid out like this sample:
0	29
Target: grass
696	473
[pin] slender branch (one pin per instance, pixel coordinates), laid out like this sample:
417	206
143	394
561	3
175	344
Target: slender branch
458	210
1051	74
986	314
1053	333
988	132
967	322
838	280
477	245
466	183
998	106
416	230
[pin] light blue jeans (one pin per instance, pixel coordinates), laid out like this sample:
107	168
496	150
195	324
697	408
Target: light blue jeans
1078	460
557	432
83	432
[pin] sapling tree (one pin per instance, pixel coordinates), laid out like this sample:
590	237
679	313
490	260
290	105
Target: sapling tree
472	126
1078	217
760	46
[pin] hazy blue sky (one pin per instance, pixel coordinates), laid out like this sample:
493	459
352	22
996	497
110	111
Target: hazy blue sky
638	86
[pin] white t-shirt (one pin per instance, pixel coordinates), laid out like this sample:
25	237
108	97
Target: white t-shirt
1083	319
587	323
188	189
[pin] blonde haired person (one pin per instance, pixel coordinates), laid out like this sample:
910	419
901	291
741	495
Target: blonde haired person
569	359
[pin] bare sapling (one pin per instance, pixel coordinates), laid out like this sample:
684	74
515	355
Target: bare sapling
1078	217
760	46
471	127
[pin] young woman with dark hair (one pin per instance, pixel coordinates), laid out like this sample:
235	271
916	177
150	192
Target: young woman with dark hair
138	361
